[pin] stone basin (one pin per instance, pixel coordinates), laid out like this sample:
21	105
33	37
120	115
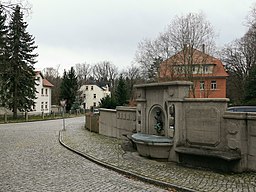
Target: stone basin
152	146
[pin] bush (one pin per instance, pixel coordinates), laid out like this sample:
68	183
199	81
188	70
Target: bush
108	102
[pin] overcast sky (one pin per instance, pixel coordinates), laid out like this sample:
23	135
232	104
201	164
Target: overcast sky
76	31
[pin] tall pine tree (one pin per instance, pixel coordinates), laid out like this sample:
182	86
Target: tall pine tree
3	54
69	88
121	92
20	82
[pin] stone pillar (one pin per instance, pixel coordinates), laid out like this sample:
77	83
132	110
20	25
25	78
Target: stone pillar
26	116
5	118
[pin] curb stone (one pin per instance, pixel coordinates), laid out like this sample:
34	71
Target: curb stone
122	171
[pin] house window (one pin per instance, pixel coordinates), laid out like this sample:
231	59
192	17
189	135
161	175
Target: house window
84	96
205	69
42	106
92	88
86	88
46	105
193	69
46	91
213	85
201	85
94	96
42	91
94	104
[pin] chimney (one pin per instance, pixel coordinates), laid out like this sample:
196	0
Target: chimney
203	48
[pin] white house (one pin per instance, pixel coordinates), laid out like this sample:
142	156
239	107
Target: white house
43	95
92	94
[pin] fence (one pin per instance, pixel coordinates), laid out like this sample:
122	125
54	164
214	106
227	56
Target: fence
24	117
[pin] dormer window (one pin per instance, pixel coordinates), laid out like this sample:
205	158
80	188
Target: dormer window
205	68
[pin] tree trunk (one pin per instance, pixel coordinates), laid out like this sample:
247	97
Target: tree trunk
15	96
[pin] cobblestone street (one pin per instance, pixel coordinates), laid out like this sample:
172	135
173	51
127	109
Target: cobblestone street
31	159
109	151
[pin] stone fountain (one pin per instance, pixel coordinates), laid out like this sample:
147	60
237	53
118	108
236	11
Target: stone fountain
156	131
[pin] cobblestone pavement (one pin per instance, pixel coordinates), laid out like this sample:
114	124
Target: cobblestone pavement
31	159
108	150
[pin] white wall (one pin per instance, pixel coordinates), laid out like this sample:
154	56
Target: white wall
43	101
92	94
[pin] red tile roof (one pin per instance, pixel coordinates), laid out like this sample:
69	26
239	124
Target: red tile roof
199	58
46	83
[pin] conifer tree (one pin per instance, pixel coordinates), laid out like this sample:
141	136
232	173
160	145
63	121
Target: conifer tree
121	92
69	88
3	54
250	91
20	82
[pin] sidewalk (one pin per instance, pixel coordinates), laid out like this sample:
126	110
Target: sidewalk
117	155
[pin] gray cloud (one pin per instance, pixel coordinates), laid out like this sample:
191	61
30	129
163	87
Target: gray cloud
68	32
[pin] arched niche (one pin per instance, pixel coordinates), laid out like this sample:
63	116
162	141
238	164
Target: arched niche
156	121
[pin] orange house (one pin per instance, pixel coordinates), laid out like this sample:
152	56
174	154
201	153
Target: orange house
206	72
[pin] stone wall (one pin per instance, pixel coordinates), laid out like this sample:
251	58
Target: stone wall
107	122
241	136
202	131
203	120
119	122
92	122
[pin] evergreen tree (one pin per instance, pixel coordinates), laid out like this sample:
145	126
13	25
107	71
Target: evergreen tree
108	102
20	79
69	88
250	91
121	92
3	54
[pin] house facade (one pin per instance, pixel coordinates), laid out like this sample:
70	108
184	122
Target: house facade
43	95
206	72
92	94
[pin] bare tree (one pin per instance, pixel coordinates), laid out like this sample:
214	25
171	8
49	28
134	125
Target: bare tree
52	75
147	51
251	18
240	57
185	33
51	72
105	73
9	5
132	76
83	72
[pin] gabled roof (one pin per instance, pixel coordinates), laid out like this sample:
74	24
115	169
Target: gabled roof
39	73
46	83
199	58
91	84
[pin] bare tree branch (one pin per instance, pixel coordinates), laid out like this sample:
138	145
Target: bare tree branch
83	72
105	73
190	31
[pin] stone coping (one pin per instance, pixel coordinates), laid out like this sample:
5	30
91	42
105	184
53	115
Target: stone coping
169	83
151	139
206	100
